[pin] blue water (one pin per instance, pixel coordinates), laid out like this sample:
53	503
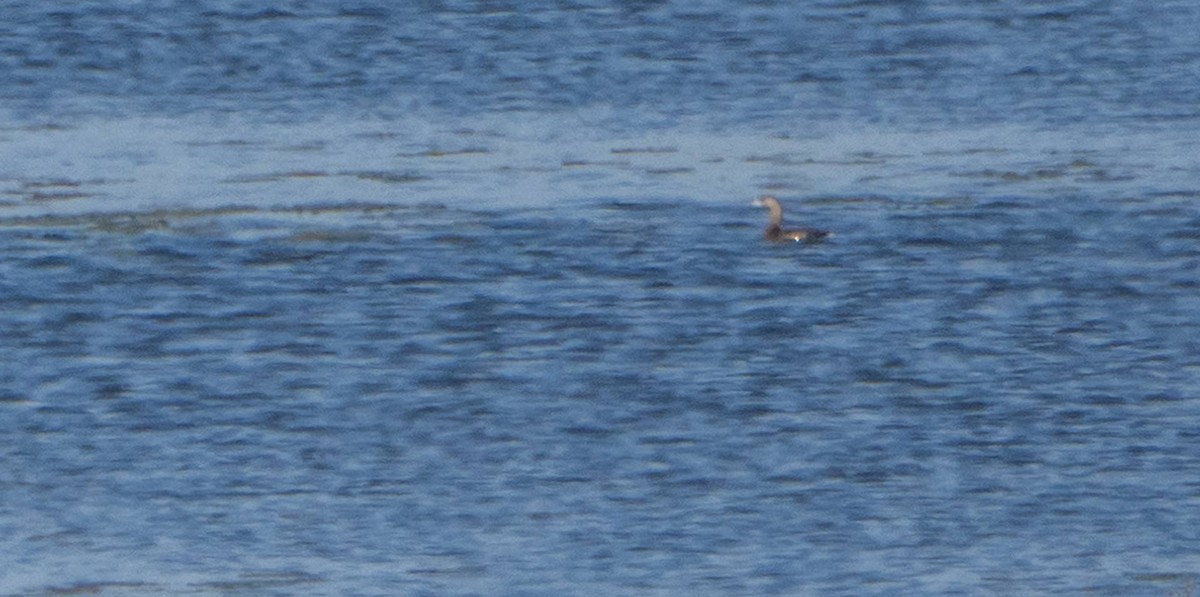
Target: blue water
461	298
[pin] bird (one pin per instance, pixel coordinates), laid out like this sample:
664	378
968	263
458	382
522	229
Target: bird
775	231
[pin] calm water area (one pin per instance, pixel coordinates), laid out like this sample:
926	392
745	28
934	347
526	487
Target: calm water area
468	298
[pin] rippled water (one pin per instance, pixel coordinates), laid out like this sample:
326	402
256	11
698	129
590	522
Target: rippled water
454	298
654	60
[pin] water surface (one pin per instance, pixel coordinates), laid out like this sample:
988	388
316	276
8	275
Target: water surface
462	298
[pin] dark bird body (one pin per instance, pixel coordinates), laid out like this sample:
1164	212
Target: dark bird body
775	231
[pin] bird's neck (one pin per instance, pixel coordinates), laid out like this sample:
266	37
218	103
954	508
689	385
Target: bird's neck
776	214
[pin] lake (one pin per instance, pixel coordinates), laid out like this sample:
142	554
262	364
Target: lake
464	298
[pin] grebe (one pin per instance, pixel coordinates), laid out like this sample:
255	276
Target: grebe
775	231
